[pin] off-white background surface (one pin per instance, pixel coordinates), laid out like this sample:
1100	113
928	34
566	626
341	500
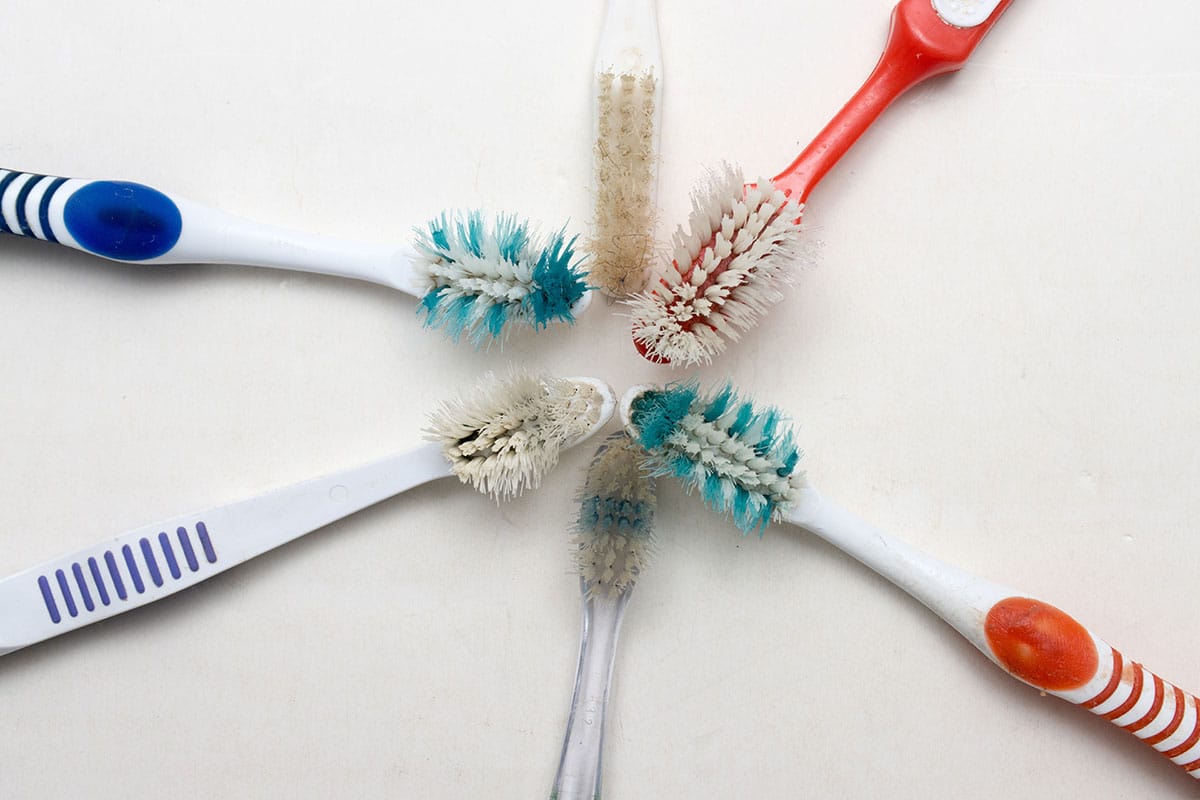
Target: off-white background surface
996	358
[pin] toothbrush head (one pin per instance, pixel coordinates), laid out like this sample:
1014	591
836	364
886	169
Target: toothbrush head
478	280
615	529
727	270
622	247
742	458
506	434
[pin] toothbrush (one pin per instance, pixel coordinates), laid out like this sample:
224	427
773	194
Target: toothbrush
742	459
471	279
613	537
501	438
628	129
727	270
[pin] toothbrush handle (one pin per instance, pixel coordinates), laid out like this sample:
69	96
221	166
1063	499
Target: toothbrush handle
153	561
117	220
1033	641
1048	649
137	224
579	767
919	46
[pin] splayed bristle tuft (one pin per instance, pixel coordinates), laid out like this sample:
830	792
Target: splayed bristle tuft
728	269
622	246
480	280
615	529
506	434
741	457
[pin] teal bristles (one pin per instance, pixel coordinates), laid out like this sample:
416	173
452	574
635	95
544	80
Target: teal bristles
740	457
479	279
614	530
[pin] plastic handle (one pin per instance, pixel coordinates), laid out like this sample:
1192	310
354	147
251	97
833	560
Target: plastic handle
1048	649
116	220
137	224
1031	640
579	767
919	46
153	561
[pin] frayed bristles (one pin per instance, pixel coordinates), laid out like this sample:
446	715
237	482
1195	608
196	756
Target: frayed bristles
479	280
615	529
727	271
622	247
506	434
740	457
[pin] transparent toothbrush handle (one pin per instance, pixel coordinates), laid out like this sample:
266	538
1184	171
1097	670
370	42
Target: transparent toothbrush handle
579	768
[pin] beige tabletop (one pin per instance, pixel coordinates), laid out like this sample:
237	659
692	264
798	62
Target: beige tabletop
996	357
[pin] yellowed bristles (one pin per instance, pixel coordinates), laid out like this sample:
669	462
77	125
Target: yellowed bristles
506	434
622	244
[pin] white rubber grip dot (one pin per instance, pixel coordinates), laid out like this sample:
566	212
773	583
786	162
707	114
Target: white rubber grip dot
965	13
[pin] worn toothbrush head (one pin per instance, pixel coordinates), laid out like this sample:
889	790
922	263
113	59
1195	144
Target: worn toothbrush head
506	434
741	458
622	247
480	280
727	270
615	529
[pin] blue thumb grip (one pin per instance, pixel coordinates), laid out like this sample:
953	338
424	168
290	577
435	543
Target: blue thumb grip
122	221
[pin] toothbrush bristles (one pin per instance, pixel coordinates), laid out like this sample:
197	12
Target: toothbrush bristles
506	434
741	457
622	245
479	280
615	528
727	270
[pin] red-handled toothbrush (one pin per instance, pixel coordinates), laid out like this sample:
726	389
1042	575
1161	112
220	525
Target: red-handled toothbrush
728	268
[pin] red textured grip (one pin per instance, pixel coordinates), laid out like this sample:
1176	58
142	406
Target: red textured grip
1040	644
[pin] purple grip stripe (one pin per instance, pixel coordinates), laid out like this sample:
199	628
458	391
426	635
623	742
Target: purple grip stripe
62	588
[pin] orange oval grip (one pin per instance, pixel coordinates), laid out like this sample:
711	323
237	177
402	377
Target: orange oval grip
1040	644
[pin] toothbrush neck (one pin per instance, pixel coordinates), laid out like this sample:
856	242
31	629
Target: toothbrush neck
955	595
919	46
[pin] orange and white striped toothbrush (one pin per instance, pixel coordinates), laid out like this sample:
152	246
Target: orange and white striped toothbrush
728	269
742	458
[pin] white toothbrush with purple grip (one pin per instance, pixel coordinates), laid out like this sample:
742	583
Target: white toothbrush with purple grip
501	439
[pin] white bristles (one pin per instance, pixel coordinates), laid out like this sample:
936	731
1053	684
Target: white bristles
492	278
614	532
506	434
729	268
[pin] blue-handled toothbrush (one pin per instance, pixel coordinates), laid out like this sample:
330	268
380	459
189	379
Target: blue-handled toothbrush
471	278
